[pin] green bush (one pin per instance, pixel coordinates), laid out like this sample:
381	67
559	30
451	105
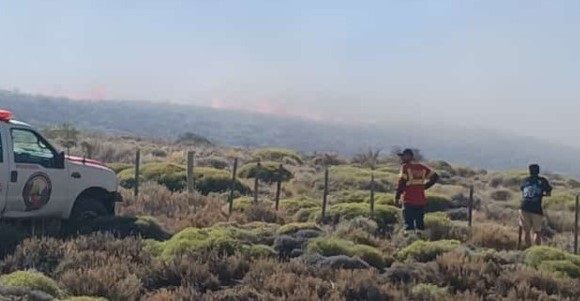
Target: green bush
292	228
438	225
384	215
537	254
437	203
119	167
424	291
560	202
362	196
307	214
173	176
31	280
293	205
259	251
219	239
561	267
332	246
278	155
268	172
424	251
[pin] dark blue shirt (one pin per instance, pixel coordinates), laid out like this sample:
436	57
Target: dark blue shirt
533	190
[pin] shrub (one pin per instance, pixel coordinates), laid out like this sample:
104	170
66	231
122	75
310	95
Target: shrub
362	196
216	180
262	212
425	291
437	203
32	280
306	214
560	202
214	162
259	251
119	167
278	155
221	240
537	254
343	262
292	206
173	176
122	226
268	172
292	228
501	195
438	225
384	215
331	246
424	251
562	267
491	235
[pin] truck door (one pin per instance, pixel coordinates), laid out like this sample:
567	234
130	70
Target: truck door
37	177
4	171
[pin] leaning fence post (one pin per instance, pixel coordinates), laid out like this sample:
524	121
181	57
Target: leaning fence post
325	196
470	220
257	182
278	187
233	186
190	175
520	233
372	195
137	163
576	225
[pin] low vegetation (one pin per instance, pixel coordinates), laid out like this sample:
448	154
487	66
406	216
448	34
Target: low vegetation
167	244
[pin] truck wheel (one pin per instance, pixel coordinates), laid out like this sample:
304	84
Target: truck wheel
84	212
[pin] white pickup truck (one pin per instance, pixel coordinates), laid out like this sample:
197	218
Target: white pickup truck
37	181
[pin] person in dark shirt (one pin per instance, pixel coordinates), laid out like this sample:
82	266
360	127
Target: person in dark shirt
533	188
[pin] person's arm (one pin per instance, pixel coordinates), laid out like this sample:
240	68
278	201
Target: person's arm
547	188
401	186
433	179
432	175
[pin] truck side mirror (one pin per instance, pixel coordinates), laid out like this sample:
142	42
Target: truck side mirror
60	160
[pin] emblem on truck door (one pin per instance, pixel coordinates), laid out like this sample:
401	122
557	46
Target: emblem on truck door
36	192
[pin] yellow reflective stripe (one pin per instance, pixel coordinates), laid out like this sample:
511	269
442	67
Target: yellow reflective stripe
416	182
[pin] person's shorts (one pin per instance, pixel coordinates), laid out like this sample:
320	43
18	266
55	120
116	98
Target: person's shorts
531	221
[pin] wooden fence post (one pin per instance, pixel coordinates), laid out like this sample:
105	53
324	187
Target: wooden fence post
233	186
137	176
257	182
520	233
278	187
372	195
576	225
470	220
190	175
325	196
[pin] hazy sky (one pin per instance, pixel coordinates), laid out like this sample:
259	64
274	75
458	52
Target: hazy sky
508	65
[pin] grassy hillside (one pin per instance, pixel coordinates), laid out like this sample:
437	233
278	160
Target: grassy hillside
477	148
169	245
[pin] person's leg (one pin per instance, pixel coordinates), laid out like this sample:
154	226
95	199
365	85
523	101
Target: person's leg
408	217
537	224
420	215
525	223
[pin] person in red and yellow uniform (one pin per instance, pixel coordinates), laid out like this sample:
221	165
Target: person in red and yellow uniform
414	179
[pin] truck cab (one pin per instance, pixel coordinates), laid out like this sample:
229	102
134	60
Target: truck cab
37	181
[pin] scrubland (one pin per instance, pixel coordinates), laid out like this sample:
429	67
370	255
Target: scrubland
167	244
